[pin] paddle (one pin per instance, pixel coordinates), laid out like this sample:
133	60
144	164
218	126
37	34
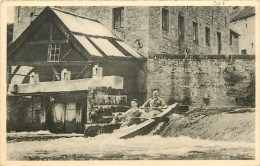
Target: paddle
153	107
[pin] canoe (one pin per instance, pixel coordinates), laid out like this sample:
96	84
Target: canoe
144	127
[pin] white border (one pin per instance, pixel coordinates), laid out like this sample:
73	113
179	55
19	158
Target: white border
3	49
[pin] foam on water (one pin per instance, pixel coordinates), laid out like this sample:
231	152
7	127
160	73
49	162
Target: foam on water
106	144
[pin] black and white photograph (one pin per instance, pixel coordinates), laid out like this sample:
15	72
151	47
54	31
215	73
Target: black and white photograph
130	82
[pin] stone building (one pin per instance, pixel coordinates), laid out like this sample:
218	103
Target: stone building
154	29
243	22
188	50
10	28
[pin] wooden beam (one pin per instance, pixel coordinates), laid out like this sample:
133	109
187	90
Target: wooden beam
49	41
57	75
46	63
14	72
82	71
115	82
99	49
66	54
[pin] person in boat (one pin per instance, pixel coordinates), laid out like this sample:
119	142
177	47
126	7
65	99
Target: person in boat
131	116
94	115
154	105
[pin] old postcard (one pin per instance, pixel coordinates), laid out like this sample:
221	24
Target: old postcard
129	83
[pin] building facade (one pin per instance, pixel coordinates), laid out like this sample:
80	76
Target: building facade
243	22
61	68
156	30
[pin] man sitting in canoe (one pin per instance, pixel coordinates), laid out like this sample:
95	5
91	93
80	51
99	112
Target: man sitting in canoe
154	104
131	116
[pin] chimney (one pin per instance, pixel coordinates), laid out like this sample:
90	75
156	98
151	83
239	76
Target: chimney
97	71
65	74
34	78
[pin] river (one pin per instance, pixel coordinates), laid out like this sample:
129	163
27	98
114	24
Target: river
105	147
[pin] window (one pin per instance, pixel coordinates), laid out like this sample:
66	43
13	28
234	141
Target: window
230	38
18	14
219	42
195	32
165	19
31	16
54	52
118	17
243	51
226	22
181	27
252	44
207	36
18	11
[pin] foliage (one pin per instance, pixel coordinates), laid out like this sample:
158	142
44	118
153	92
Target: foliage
244	92
231	76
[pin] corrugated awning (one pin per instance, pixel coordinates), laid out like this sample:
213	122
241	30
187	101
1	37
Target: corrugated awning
21	73
129	49
88	46
108	48
103	47
82	25
95	37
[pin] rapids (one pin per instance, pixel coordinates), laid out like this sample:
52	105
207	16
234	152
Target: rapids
106	147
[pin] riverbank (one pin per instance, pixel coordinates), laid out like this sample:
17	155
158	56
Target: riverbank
218	124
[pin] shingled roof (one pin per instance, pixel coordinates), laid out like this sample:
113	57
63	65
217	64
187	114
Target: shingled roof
247	11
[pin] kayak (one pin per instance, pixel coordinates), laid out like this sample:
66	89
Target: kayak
144	127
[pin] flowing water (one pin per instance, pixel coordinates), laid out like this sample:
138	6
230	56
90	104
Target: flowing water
105	147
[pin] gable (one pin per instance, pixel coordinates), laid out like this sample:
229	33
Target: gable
35	48
50	32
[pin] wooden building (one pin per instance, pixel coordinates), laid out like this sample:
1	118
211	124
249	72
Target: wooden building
55	66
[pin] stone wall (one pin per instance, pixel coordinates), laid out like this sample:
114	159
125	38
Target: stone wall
142	27
198	80
215	18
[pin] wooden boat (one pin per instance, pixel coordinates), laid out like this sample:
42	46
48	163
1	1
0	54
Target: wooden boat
144	127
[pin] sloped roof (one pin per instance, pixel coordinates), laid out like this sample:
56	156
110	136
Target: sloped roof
235	33
83	25
94	39
247	11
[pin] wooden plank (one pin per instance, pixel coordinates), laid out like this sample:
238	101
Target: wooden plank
99	49
127	54
57	75
49	41
46	63
14	72
114	82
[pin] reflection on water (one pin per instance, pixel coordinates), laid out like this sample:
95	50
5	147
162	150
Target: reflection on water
142	147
